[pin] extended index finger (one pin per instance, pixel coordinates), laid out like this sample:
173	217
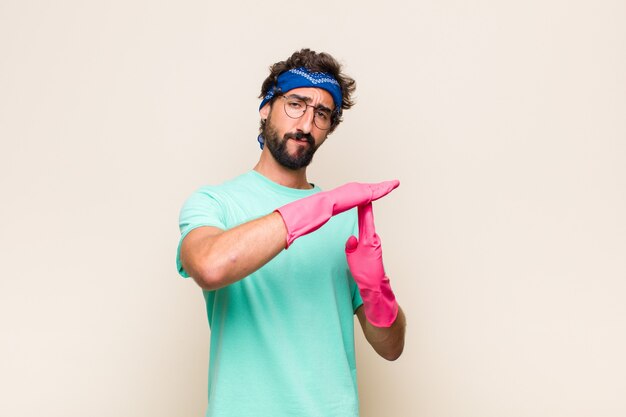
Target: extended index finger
367	230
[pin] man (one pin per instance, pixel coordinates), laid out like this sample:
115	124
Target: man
282	275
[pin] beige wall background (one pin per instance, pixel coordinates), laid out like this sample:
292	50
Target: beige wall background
506	242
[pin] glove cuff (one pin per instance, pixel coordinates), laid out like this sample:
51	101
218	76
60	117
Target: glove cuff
306	215
381	307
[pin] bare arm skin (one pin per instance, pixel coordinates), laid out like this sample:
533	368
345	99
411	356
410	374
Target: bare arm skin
215	258
388	342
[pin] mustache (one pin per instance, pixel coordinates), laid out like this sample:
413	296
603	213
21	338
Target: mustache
299	136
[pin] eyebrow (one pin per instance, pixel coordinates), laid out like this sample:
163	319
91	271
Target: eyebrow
308	100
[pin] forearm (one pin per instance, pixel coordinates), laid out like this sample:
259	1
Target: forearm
220	259
388	342
216	258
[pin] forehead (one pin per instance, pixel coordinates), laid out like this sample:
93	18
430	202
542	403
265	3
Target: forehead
317	96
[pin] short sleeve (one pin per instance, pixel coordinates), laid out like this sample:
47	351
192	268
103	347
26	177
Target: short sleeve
201	209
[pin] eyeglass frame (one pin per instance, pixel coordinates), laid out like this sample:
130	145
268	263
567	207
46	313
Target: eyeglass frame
333	113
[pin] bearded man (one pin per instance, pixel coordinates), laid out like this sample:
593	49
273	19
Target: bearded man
281	271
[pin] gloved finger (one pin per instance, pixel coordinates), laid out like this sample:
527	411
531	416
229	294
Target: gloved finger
367	230
351	244
381	189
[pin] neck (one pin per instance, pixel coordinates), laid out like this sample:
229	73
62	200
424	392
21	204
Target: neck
269	168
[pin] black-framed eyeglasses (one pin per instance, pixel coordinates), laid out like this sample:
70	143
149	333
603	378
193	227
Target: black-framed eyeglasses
295	107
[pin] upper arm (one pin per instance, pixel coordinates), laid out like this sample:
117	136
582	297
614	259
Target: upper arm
201	215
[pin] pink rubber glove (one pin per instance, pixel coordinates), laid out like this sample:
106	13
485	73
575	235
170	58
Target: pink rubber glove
365	259
310	213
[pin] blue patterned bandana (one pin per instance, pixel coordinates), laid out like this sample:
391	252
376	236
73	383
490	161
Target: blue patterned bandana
302	77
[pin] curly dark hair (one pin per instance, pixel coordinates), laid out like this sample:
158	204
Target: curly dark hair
315	62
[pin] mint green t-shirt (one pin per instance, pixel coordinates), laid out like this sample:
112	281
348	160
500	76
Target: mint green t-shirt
282	339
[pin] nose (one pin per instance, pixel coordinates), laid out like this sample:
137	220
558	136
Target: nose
306	121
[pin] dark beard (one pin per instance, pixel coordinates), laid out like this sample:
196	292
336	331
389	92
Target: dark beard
278	148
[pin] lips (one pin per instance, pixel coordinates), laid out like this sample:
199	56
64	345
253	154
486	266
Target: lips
301	138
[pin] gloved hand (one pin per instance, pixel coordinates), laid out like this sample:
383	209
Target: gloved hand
365	259
310	213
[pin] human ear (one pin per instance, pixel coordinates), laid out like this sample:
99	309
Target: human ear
265	111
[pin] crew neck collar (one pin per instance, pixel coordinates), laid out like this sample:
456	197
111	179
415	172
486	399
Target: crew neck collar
283	189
